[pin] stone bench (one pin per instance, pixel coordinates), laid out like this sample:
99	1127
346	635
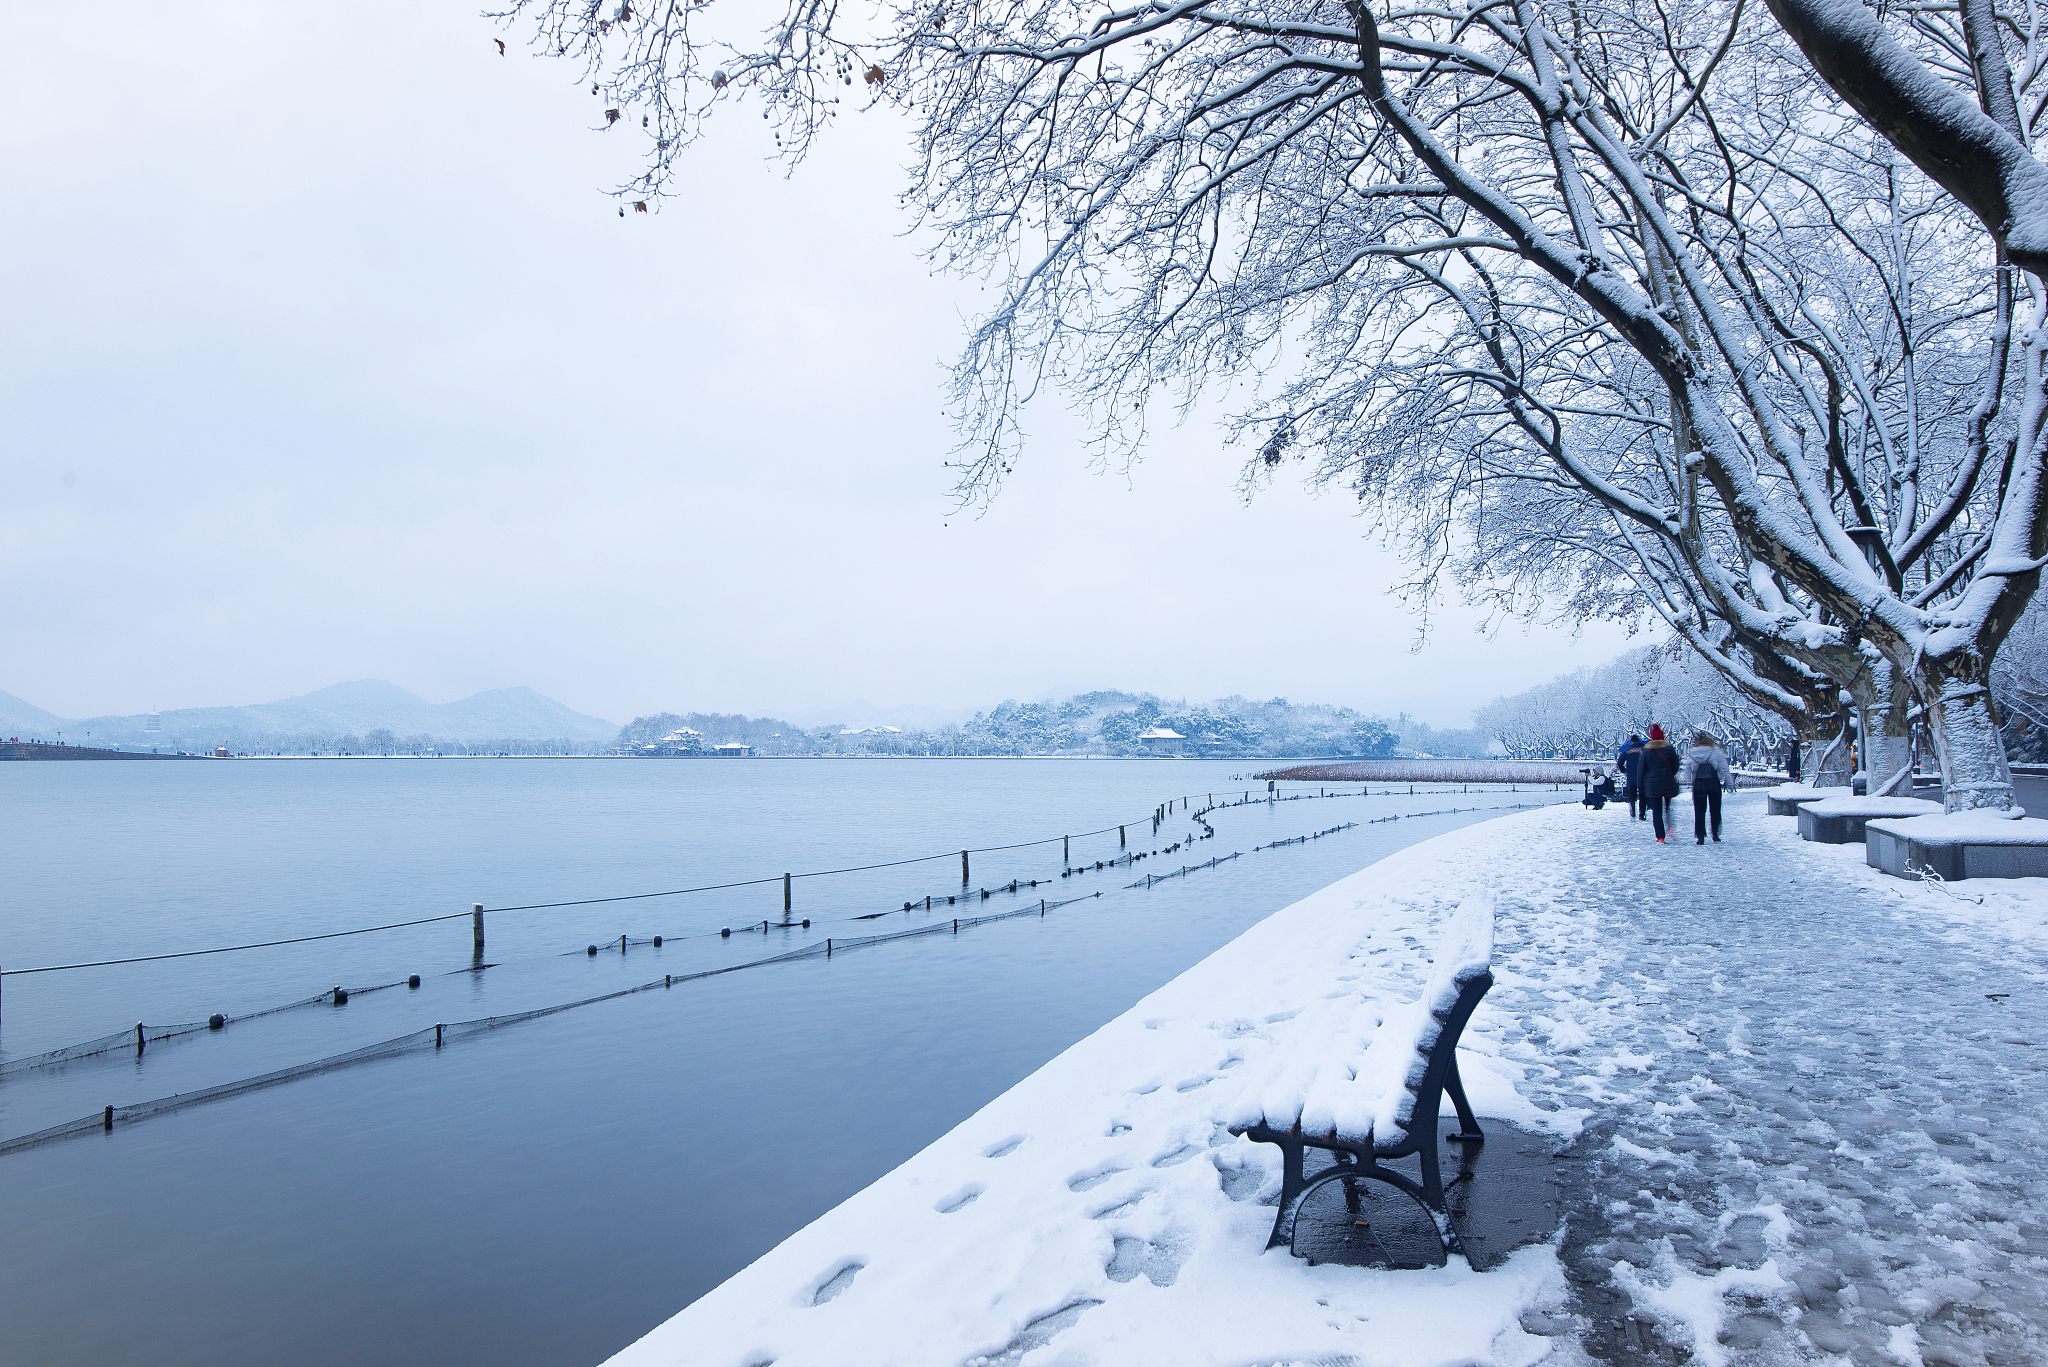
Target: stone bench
1365	1089
1958	845
1840	820
1787	798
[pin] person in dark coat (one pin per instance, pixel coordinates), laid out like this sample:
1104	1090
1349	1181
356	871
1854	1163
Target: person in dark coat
1660	780
1630	761
1707	770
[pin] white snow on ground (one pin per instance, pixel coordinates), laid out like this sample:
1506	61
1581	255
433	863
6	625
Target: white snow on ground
2013	908
1099	1211
1652	1003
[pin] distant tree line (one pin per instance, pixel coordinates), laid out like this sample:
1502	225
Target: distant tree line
379	742
1588	712
1104	723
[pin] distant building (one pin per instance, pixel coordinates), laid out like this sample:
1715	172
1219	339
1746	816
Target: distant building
153	724
681	741
1161	740
875	731
733	749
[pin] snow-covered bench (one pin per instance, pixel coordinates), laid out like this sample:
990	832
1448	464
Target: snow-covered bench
1983	844
1787	798
1840	820
1367	1089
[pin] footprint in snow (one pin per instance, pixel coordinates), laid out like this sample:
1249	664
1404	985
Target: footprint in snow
1125	1208
1036	1334
964	1197
1179	1155
841	1278
1159	1263
1089	1180
1003	1148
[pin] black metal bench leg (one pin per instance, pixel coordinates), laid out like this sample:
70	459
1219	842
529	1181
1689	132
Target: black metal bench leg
1432	1178
1468	1124
1291	1183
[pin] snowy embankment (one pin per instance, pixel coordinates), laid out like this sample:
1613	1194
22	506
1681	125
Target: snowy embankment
1100	1210
1798	1099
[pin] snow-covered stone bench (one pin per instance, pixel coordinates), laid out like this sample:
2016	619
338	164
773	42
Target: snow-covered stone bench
1365	1089
1840	820
1787	798
1959	845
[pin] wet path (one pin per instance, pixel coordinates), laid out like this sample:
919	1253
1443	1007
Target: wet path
1814	1134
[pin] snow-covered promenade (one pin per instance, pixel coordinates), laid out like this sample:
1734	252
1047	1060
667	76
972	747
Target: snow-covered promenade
1793	1123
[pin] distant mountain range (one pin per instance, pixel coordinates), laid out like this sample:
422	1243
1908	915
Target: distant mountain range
354	709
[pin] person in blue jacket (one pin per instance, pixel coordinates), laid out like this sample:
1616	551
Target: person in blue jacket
1630	761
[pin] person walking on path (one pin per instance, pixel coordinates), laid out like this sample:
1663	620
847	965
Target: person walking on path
1630	762
1707	770
1660	780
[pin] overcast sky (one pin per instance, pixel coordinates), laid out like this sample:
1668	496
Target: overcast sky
327	357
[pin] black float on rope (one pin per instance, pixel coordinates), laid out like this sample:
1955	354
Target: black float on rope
414	980
217	1021
341	996
590	950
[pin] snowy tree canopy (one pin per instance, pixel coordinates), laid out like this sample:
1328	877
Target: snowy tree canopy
1588	712
1731	318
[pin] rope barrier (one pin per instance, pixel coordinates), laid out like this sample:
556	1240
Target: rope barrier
578	902
674	892
437	1036
142	1035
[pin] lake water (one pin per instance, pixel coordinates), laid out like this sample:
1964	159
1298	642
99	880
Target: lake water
545	1193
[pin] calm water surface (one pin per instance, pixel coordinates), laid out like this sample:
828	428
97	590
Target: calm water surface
546	1193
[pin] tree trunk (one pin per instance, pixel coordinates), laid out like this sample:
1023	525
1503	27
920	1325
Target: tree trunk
1963	722
1832	764
1888	744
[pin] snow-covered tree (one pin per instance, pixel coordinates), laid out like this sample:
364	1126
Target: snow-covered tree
1587	713
1612	236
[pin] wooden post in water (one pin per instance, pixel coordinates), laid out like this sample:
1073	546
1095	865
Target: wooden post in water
785	897
1066	849
476	926
963	868
139	1041
1119	837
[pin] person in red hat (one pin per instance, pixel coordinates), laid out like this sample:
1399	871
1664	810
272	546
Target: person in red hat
1660	779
